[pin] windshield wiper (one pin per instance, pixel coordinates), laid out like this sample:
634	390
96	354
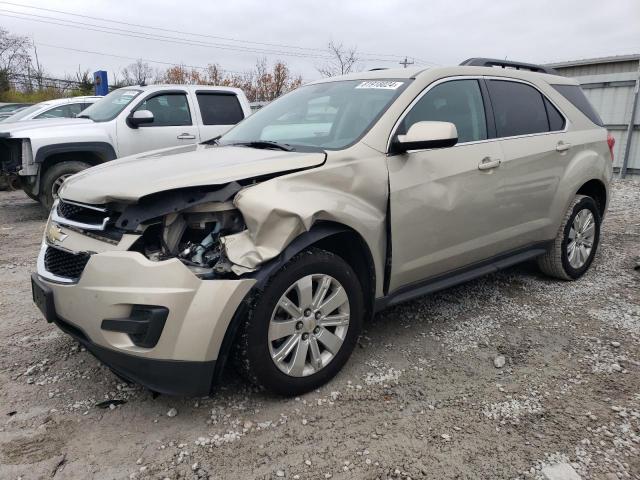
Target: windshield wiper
83	116
266	144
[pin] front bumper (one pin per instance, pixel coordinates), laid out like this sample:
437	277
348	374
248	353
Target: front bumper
115	283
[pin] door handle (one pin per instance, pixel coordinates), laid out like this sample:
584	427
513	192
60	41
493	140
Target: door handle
562	147
487	164
186	136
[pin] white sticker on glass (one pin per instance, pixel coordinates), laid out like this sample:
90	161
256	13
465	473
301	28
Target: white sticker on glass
383	84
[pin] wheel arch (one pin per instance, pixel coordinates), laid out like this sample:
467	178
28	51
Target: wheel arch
331	236
598	191
92	153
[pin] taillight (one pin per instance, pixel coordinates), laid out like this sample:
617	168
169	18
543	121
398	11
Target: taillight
611	142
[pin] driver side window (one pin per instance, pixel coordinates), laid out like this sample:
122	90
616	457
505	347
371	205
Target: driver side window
457	101
169	110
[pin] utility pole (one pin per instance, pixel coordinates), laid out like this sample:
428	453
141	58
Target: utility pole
406	62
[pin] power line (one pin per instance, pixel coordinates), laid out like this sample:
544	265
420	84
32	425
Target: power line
151	27
159	62
148	36
164	38
102	19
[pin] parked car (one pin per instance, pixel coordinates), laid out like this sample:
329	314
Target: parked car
59	108
272	244
127	121
8	109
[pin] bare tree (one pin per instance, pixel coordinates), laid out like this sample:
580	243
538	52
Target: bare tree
14	58
137	73
342	60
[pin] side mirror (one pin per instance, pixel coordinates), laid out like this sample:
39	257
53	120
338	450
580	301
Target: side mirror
139	117
424	135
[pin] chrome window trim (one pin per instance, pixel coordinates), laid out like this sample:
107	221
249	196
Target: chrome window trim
476	77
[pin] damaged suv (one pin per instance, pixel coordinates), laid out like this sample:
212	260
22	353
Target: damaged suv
271	244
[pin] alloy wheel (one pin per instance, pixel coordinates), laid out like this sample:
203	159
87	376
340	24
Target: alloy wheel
55	187
581	238
308	325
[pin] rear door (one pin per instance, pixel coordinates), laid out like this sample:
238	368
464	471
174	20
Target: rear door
536	153
444	207
219	111
173	124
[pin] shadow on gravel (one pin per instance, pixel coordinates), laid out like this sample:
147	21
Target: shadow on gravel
17	207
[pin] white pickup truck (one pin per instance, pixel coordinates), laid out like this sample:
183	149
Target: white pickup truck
39	156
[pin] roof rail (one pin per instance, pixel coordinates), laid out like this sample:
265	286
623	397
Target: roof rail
378	68
494	62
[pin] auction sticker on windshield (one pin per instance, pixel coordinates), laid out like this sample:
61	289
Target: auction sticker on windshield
383	84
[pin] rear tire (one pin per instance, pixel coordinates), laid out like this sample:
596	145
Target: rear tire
317	336
53	178
576	243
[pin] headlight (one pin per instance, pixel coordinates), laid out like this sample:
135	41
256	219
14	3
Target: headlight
27	153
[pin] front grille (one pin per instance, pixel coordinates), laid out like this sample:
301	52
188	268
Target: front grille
65	264
79	213
10	155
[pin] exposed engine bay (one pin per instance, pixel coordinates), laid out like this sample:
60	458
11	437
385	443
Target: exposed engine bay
193	237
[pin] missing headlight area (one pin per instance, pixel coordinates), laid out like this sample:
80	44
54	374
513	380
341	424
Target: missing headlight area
193	236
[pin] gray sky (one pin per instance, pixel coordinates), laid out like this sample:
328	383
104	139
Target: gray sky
437	31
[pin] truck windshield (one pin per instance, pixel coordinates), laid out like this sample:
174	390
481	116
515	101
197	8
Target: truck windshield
331	115
110	106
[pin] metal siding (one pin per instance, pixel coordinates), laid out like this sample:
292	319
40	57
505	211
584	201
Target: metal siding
613	103
598	68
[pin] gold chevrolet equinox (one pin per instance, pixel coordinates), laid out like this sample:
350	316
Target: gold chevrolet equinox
271	244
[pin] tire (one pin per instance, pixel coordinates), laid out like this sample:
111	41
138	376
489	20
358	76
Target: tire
51	180
560	260
258	353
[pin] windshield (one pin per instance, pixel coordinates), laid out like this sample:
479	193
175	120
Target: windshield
329	115
24	113
11	107
110	106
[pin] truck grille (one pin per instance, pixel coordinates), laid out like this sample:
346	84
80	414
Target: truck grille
10	155
65	264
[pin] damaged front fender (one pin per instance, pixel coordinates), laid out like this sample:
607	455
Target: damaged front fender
277	211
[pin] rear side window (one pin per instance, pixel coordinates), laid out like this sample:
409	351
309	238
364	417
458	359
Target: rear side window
576	96
219	108
518	108
456	101
556	120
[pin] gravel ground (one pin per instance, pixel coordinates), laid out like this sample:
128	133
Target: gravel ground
423	397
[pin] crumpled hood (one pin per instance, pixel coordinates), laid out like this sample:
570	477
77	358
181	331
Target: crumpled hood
130	178
20	129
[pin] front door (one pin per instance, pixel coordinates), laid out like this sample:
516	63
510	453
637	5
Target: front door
444	209
173	125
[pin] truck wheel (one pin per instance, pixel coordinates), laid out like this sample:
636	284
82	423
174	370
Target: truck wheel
302	328
575	245
54	177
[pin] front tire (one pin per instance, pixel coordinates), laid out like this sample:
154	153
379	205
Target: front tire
576	243
302	328
54	177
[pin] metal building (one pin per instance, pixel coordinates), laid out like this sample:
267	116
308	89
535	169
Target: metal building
612	84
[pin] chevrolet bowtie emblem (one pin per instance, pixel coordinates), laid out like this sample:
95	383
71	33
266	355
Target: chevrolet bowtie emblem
55	235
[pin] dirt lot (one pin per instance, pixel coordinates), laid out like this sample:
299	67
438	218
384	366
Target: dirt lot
421	398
